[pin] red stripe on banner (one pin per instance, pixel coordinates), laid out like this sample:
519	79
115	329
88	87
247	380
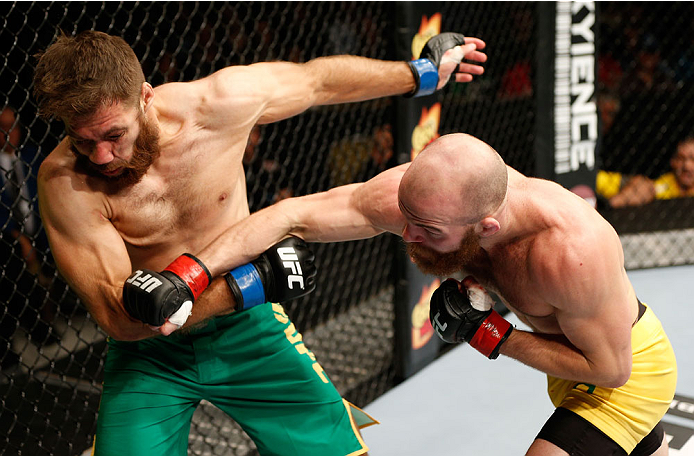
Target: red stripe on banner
191	273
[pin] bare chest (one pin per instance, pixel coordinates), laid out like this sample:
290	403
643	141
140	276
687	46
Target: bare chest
508	276
183	212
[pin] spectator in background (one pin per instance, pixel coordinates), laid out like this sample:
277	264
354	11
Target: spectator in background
16	217
621	191
9	142
650	72
23	302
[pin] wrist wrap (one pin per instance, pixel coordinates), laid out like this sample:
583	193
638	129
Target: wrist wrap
493	332
246	286
192	272
426	77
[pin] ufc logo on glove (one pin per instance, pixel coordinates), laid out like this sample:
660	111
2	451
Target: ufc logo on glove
146	282
290	260
272	276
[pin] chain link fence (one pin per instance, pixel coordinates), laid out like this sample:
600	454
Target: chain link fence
51	350
645	94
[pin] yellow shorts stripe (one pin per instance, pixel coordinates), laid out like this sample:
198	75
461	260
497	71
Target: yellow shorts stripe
360	420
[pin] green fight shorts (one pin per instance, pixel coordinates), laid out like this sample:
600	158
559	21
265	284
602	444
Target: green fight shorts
253	365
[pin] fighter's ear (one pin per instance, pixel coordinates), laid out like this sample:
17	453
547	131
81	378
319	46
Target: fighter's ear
146	96
487	226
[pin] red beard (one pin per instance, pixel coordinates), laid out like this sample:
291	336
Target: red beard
435	263
145	151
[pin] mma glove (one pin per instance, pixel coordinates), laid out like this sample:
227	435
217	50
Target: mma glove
155	297
426	68
285	271
468	315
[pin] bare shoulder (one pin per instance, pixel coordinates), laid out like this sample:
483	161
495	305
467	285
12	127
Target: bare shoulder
175	99
57	171
58	168
378	199
65	192
227	98
54	162
392	176
384	186
577	254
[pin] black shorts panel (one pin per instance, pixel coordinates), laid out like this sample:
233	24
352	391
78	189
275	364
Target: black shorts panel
578	437
649	444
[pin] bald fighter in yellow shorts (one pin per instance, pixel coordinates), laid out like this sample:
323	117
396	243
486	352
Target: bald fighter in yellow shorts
550	256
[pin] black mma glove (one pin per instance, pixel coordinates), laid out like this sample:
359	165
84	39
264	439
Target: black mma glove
426	68
468	315
154	297
285	271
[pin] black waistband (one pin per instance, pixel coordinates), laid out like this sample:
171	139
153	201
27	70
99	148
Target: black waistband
642	310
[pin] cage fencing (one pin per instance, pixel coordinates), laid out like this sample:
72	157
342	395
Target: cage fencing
52	351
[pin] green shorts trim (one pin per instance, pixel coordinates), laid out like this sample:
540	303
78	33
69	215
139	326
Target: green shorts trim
253	365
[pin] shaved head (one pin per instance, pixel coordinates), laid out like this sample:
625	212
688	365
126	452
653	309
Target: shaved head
453	184
458	176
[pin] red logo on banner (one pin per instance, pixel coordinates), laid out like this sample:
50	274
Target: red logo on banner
427	129
421	325
428	28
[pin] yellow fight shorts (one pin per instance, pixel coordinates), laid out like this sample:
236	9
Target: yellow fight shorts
628	413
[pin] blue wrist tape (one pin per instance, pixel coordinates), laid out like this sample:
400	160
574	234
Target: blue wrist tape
250	284
427	76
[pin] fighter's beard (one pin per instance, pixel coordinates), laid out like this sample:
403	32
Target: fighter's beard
145	151
445	264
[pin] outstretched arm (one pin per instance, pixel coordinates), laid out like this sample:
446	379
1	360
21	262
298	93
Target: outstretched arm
271	91
342	79
354	211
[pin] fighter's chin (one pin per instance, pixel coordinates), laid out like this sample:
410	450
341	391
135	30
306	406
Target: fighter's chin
434	268
122	177
115	173
430	262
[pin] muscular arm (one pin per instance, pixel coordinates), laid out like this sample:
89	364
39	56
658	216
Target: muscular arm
354	211
87	249
349	212
92	257
595	311
271	91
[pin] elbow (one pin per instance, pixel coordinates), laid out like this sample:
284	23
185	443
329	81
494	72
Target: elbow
615	382
122	328
120	332
124	335
290	217
619	375
621	379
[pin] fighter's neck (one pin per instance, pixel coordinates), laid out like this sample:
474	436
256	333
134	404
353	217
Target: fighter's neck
515	219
